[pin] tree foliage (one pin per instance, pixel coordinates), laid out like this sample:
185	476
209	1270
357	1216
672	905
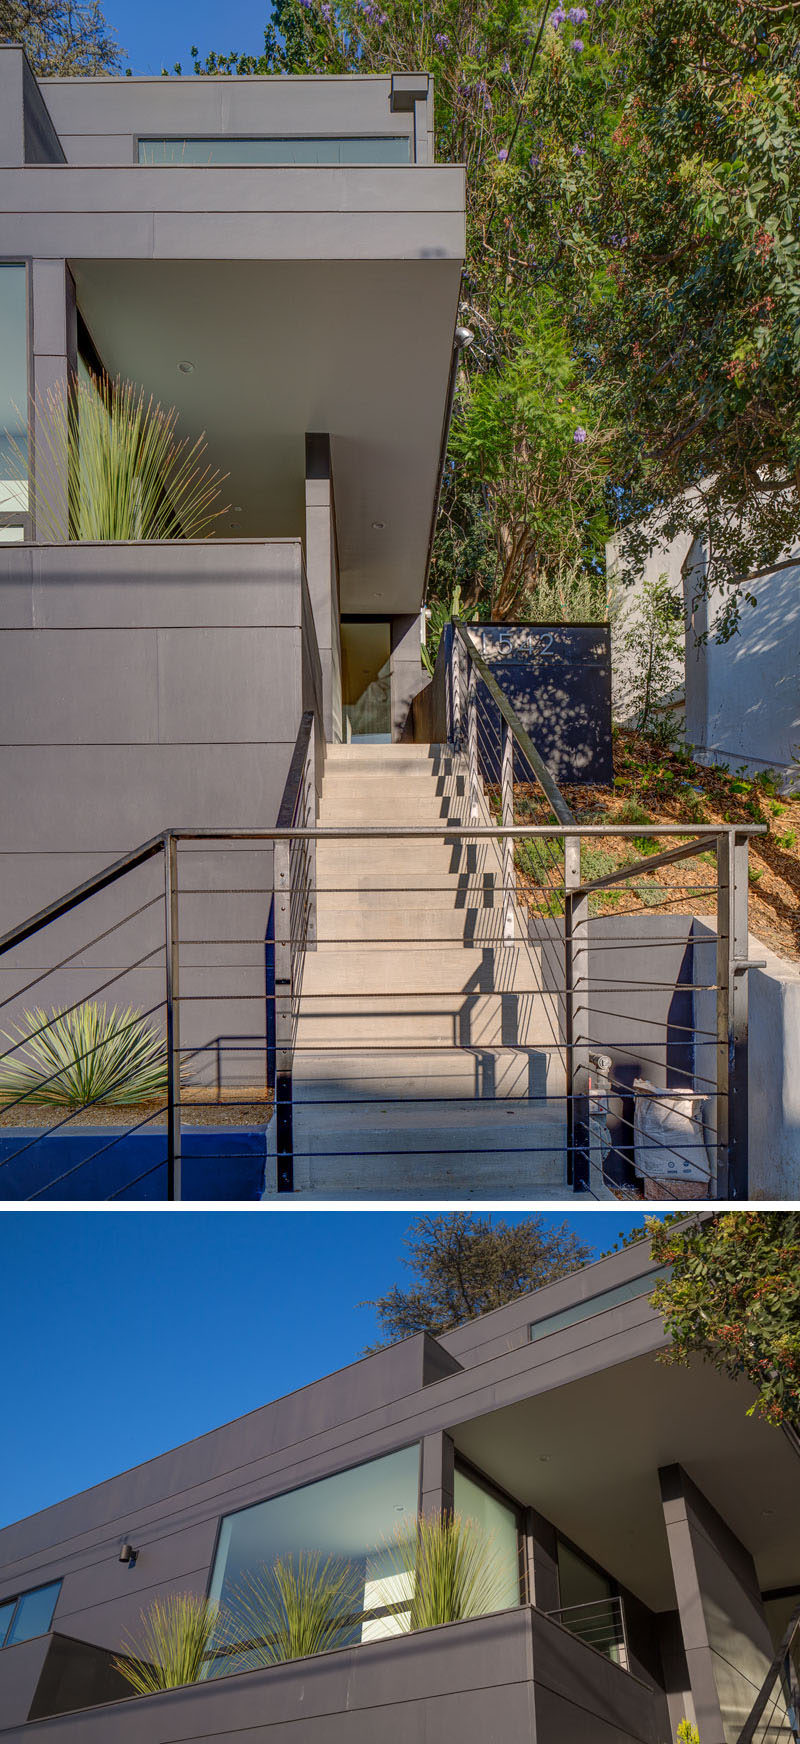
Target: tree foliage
463	1265
734	1299
698	340
633	182
68	37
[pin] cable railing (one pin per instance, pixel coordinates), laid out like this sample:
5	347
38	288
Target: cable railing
684	1134
775	1715
599	1623
428	985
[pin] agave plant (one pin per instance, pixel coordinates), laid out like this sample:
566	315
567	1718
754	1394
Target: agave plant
172	1645
84	1055
290	1610
130	476
457	1572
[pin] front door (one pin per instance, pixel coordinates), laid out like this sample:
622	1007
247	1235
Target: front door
366	679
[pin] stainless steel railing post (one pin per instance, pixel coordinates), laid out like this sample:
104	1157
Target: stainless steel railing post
507	813
576	1016
472	742
172	974
284	1017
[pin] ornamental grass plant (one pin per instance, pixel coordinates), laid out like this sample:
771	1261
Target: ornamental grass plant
294	1608
130	476
83	1055
171	1646
457	1571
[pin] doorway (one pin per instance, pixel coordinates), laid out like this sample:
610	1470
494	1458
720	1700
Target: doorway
367	680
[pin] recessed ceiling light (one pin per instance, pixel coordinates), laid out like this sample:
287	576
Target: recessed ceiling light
186	368
379	526
237	508
234	523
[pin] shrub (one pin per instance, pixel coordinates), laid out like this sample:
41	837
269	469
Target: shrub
291	1610
130	476
84	1055
172	1645
457	1571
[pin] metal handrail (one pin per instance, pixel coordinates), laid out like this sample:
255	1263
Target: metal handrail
790	1636
592	1611
283	944
730	843
543	775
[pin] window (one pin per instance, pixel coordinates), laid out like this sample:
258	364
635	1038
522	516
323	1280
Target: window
591	1607
382	148
13	402
474	1499
28	1615
350	1517
640	1286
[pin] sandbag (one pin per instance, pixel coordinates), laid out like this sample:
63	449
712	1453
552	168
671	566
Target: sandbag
668	1142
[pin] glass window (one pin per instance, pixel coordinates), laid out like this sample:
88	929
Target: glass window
640	1286
34	1613
380	148
349	1517
475	1501
590	1605
6	1614
13	390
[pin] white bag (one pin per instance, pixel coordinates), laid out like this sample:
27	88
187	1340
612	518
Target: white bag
668	1133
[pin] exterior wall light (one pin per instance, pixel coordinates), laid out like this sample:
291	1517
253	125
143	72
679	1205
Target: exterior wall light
464	337
186	368
378	526
128	1555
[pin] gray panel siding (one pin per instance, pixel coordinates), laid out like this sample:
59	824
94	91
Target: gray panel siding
219	189
363	1411
345	104
290	213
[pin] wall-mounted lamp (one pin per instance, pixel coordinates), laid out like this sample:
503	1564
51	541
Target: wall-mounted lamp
464	338
128	1555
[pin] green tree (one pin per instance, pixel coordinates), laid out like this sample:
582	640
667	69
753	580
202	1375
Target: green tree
463	1265
734	1299
522	92
70	37
697	332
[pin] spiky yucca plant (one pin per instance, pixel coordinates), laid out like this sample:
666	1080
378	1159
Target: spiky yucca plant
83	1055
171	1646
457	1571
292	1609
130	476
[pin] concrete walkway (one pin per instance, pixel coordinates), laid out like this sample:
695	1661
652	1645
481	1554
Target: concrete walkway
427	1060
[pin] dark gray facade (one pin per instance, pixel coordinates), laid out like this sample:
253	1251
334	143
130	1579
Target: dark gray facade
648	1474
290	309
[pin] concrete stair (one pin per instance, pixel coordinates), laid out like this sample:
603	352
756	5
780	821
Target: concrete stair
425	1059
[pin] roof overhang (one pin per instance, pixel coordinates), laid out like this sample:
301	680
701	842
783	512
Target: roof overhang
307	299
587	1456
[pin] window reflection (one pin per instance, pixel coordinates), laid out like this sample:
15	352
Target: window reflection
293	149
13	398
343	1521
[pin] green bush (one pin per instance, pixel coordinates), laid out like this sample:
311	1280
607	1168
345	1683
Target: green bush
292	1609
457	1571
130	476
172	1644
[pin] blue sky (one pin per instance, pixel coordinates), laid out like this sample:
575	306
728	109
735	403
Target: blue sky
128	1333
154	35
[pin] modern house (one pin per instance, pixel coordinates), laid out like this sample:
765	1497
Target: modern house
280	261
647	1529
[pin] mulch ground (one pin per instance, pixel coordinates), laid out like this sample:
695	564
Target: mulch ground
657	785
246	1106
